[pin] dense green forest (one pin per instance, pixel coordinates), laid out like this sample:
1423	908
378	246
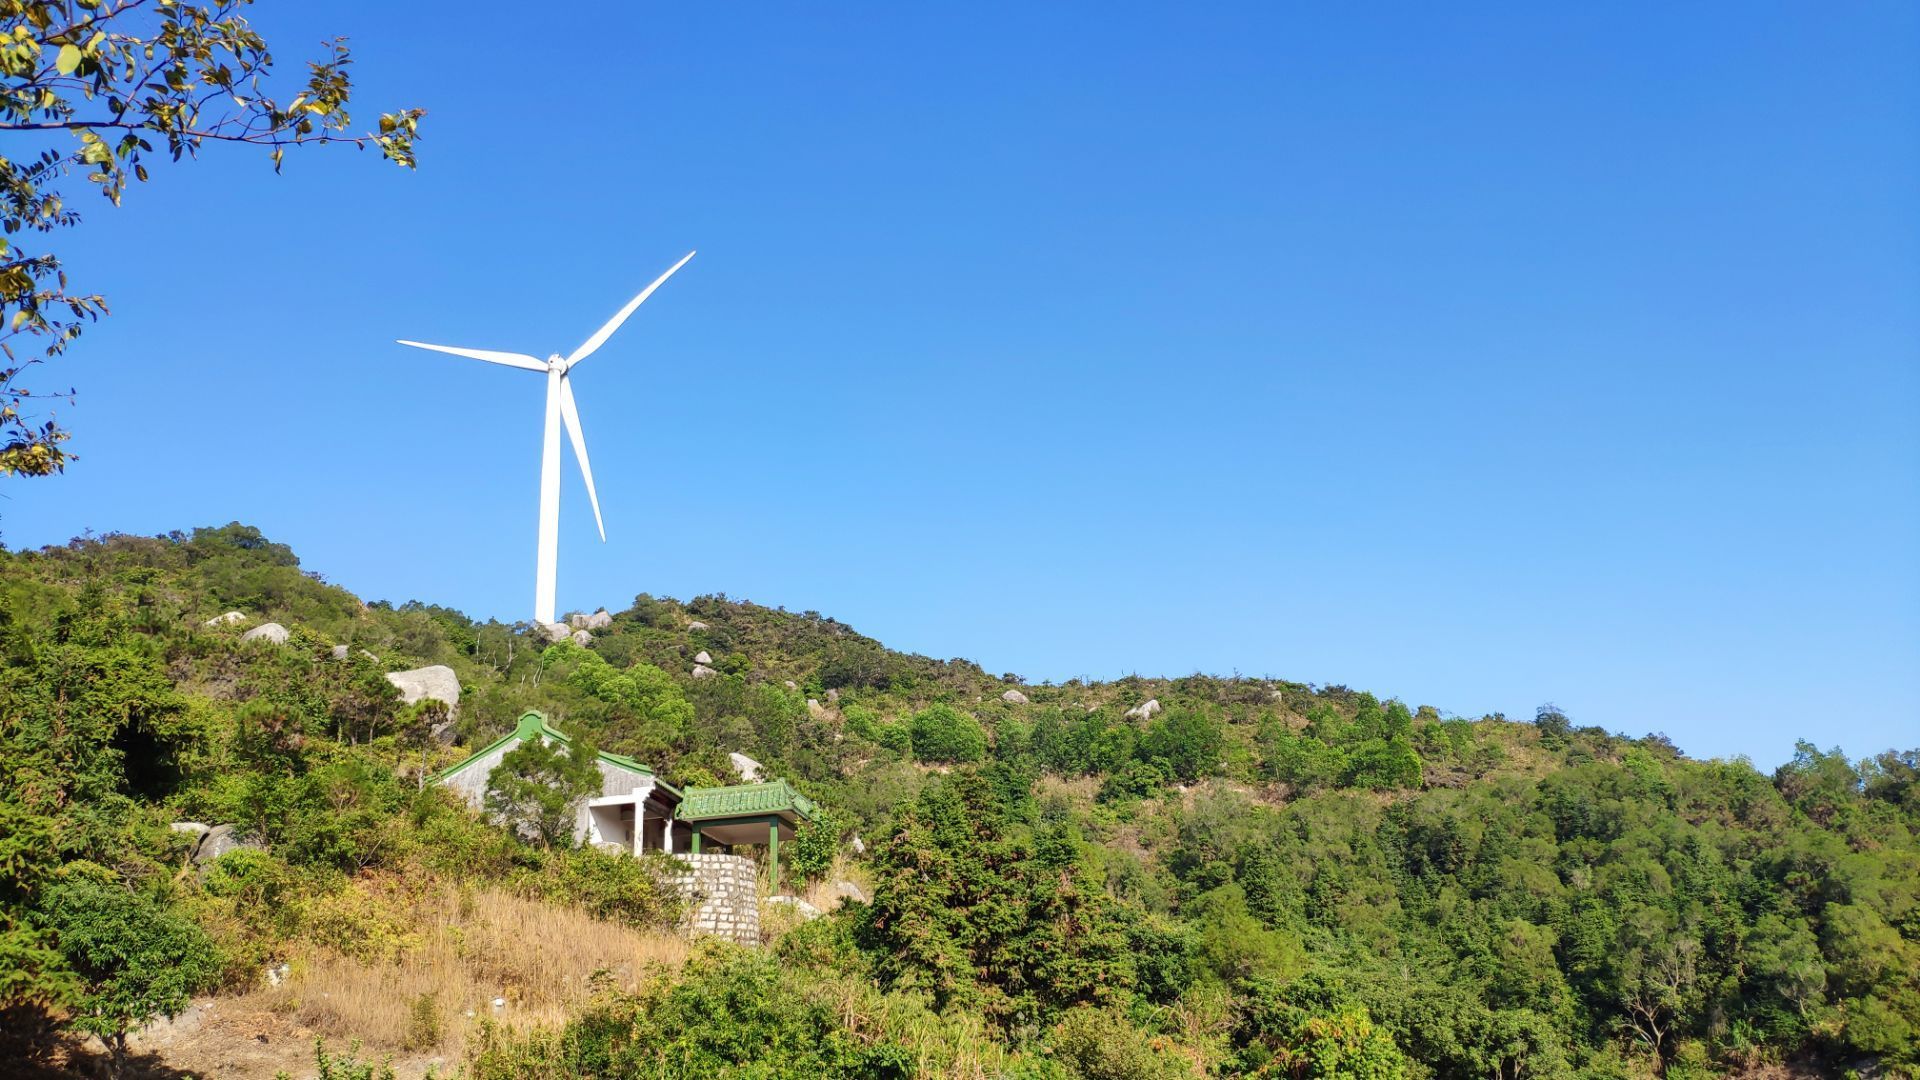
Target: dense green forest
1137	878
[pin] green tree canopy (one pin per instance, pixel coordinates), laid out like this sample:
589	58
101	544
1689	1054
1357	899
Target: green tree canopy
538	786
136	959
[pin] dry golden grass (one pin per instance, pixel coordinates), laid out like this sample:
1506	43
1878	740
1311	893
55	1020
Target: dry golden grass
823	893
468	948
1079	790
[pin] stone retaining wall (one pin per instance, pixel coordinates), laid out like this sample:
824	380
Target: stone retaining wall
723	896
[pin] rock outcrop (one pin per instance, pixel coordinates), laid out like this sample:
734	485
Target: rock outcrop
272	633
1014	697
583	638
702	671
701	657
1144	710
806	911
228	619
435	683
218	841
748	768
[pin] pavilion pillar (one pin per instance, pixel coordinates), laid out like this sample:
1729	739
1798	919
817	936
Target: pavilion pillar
696	839
773	852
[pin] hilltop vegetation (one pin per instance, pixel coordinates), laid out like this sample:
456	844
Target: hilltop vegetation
1136	878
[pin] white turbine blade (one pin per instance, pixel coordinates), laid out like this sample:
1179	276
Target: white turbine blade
571	416
511	359
600	337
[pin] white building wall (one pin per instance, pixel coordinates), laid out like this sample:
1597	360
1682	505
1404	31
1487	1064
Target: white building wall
614	781
471	782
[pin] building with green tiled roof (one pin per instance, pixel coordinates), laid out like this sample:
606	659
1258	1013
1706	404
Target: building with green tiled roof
637	811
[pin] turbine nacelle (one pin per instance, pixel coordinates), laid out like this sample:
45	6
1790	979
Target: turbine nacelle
561	411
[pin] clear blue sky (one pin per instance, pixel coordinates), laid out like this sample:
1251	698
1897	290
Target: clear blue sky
1480	357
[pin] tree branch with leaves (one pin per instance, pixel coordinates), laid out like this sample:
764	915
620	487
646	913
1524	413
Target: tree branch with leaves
121	78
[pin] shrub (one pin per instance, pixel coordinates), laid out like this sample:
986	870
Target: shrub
611	886
646	707
1137	780
251	878
370	924
1382	765
943	734
1100	1044
867	724
423	1022
1273	1038
1188	742
1302	760
347	1066
733	1012
1163	956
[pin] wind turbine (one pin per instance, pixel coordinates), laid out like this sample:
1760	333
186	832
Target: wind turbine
560	409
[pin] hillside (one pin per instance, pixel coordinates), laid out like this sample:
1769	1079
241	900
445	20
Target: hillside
1139	878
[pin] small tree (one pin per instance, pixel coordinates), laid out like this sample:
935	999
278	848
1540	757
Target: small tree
538	786
417	724
1553	724
815	844
137	960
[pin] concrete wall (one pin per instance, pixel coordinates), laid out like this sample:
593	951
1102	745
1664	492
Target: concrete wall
723	897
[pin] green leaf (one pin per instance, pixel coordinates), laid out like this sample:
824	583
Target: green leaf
68	60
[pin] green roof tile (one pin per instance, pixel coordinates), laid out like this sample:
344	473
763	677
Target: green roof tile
745	800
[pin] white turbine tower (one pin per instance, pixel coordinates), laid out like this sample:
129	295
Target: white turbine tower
560	409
